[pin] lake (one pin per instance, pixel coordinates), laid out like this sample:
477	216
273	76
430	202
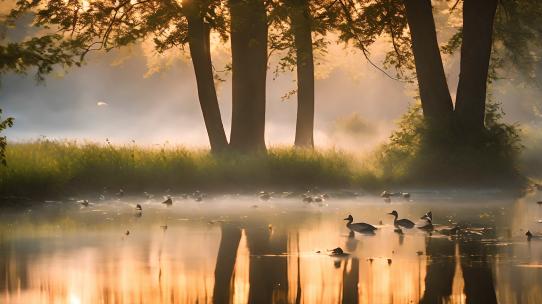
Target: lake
241	249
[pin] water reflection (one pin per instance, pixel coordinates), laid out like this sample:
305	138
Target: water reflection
224	251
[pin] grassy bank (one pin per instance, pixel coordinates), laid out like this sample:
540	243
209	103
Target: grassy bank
64	167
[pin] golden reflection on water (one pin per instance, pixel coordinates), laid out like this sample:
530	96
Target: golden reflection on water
271	258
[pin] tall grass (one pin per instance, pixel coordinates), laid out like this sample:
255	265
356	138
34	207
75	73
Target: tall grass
62	167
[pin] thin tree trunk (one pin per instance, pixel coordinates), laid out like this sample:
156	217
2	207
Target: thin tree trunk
475	56
200	52
434	93
225	263
301	25
249	69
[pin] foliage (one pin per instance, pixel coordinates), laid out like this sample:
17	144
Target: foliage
62	167
4	124
418	153
105	25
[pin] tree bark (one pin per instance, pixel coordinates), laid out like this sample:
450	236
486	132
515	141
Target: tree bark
249	70
200	52
301	26
475	56
434	93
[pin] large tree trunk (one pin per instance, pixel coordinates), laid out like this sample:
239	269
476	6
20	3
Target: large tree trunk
434	93
200	52
301	26
249	69
475	55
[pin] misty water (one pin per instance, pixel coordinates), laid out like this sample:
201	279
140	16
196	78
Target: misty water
240	249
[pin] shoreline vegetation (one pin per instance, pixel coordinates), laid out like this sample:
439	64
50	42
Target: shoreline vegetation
56	168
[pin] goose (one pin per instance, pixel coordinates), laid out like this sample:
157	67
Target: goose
405	223
359	227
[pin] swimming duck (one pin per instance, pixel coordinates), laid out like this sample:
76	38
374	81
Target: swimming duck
307	198
85	203
138	207
337	252
451	231
405	195
427	216
264	196
532	236
359	227
168	201
428	224
405	223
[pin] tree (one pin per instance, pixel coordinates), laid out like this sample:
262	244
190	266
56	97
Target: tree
477	41
40	54
298	32
411	28
4	124
101	25
300	17
249	31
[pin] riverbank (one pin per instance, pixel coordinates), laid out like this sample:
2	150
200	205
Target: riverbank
59	168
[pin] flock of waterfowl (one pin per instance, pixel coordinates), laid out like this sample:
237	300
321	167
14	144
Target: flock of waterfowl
425	223
315	196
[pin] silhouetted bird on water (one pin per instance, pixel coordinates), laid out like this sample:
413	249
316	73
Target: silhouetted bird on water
532	236
264	196
428	224
168	201
359	227
451	231
405	223
138	207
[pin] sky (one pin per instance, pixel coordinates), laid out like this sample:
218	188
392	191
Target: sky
135	94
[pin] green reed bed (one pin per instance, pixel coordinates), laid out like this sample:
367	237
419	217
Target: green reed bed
62	167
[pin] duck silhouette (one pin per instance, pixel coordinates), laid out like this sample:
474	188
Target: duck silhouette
359	227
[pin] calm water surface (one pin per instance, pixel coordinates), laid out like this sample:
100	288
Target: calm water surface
239	249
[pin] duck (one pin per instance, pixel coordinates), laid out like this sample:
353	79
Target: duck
405	223
85	203
532	236
138	207
337	252
451	231
168	201
385	194
428	224
427	216
359	227
405	195
264	196
307	198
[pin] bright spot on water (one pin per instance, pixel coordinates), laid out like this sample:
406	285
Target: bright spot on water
73	299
